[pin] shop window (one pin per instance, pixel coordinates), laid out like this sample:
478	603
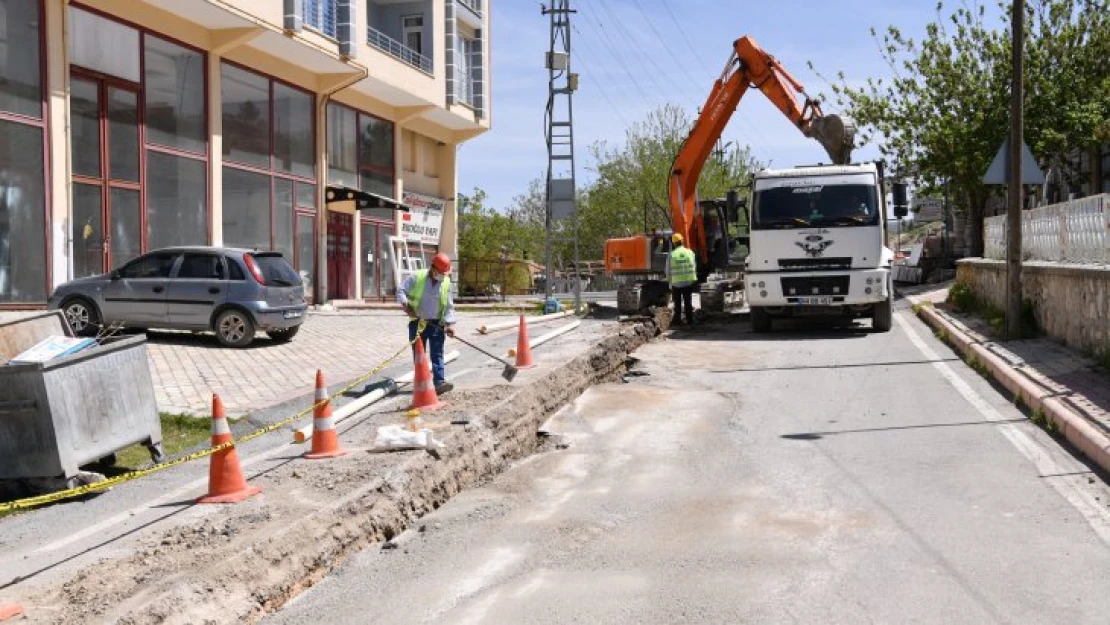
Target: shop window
176	200
375	147
306	196
20	62
294	146
103	45
246	198
306	249
342	146
283	217
245	100
174	84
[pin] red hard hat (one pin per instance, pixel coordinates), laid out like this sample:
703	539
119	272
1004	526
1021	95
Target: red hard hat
441	263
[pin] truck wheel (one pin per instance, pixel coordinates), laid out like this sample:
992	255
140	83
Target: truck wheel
761	321
883	317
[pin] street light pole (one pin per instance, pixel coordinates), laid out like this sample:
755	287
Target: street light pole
1013	215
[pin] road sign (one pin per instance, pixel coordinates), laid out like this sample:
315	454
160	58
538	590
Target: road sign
999	171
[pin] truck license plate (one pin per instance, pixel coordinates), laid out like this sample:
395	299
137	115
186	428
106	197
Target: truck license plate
822	300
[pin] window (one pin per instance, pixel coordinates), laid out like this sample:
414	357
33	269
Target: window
464	62
276	271
103	45
235	272
20	62
270	160
174	83
23	228
363	159
413	28
157	265
245	100
247	217
201	267
176	200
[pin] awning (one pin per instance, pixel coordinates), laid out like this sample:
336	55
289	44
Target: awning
363	200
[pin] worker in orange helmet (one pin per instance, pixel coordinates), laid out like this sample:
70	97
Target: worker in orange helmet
426	296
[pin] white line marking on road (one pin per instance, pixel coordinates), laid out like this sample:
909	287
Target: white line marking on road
1069	488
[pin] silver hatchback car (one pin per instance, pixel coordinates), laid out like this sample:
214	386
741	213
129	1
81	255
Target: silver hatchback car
232	292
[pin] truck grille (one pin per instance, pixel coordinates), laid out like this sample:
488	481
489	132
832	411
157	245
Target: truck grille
815	264
820	285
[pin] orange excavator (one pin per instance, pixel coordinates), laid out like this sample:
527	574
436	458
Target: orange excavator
641	260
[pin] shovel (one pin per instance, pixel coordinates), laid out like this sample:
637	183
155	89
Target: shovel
509	372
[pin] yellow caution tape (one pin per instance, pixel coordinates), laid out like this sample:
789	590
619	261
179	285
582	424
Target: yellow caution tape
31	502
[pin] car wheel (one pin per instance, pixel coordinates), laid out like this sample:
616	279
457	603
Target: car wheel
82	316
234	328
285	335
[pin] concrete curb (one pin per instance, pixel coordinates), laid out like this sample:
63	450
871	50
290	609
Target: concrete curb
1079	431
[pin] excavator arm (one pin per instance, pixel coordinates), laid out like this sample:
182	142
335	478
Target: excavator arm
748	66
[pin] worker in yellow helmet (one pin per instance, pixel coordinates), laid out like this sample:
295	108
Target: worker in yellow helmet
682	271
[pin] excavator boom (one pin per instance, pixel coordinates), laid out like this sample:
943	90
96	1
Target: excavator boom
748	66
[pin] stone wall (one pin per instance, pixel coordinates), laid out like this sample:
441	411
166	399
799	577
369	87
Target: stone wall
1071	302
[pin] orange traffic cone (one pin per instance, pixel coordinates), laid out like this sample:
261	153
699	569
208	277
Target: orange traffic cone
523	348
10	610
325	440
226	483
423	390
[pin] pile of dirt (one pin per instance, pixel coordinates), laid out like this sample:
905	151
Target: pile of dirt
240	562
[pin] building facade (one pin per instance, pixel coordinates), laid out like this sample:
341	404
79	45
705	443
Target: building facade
130	125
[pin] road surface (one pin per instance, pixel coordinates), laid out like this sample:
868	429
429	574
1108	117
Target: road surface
812	475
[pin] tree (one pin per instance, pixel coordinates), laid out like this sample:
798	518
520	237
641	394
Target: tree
630	192
943	115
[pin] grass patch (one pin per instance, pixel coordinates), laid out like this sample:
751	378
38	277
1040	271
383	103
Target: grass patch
179	433
964	299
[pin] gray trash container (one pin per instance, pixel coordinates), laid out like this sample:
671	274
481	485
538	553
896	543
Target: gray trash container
71	411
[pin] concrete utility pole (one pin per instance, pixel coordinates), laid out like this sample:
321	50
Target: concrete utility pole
559	118
1013	216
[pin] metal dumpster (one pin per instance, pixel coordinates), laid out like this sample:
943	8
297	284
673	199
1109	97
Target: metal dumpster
70	411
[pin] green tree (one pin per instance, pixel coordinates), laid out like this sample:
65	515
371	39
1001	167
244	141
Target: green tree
630	194
943	115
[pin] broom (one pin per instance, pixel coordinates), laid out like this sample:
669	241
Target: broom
509	372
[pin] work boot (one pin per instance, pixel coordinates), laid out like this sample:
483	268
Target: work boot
444	387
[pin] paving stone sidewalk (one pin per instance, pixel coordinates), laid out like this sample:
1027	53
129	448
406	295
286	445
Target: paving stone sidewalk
1078	381
187	368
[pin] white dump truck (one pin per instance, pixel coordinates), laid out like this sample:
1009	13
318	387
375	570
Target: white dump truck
817	245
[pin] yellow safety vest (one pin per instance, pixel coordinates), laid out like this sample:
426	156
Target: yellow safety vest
684	269
419	288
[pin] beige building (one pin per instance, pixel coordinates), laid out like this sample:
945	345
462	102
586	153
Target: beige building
130	125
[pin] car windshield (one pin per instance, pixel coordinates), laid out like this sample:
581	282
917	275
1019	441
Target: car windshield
276	271
840	205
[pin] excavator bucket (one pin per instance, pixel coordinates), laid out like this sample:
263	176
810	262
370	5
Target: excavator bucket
837	135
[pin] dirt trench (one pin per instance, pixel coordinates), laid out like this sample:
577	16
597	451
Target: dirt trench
248	560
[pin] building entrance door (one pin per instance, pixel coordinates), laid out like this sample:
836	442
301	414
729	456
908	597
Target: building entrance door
340	255
106	225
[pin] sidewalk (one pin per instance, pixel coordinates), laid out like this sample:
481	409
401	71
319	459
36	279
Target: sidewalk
1069	388
187	368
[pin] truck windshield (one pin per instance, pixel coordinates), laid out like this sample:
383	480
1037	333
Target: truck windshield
828	206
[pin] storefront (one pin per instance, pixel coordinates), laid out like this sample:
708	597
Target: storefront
24	170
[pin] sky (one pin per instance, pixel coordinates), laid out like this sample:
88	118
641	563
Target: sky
634	56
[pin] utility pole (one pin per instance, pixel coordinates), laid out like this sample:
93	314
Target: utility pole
559	119
1013	216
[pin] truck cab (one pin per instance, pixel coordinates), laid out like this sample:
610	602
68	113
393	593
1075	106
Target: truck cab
818	245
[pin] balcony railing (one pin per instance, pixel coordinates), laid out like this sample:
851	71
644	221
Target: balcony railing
398	50
320	15
473	5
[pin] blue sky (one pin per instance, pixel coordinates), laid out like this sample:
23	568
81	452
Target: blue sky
625	50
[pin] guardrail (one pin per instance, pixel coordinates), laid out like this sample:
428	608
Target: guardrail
397	50
473	5
1076	231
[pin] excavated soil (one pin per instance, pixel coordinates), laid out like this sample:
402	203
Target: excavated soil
244	561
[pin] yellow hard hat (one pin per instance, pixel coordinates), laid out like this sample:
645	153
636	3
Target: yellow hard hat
676	238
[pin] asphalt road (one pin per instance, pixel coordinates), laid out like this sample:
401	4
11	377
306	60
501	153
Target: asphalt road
810	476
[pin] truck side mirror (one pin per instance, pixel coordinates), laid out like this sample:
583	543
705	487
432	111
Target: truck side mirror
732	202
901	205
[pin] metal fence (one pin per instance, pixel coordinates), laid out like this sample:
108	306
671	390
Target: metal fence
396	49
1076	231
495	278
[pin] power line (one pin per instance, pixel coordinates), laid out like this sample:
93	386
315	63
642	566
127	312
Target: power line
620	60
601	85
667	7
